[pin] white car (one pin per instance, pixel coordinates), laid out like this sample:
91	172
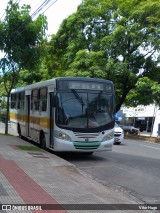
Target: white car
118	134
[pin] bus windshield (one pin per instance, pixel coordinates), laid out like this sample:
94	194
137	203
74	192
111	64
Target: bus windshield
79	109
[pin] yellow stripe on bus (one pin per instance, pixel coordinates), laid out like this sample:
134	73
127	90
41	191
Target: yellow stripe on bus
35	120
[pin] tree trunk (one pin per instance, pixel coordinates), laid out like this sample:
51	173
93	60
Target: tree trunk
7	115
124	95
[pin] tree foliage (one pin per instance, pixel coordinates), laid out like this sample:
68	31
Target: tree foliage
145	92
21	41
117	40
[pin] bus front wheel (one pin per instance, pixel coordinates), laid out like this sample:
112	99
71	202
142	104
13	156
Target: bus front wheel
43	141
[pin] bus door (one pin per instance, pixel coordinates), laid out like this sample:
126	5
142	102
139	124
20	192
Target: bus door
51	119
28	115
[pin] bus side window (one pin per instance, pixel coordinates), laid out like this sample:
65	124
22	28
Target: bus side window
21	99
35	100
13	101
18	100
43	99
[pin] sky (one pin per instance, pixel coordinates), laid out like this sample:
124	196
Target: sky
60	10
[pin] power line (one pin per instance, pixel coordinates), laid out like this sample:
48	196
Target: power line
5	56
35	6
47	4
17	1
50	5
40	7
44	4
43	7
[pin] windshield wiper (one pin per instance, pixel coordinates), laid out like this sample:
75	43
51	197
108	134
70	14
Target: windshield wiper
78	97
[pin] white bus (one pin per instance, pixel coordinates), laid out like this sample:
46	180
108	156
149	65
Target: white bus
66	114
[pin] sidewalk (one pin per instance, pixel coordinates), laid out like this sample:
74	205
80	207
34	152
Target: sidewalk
144	136
40	177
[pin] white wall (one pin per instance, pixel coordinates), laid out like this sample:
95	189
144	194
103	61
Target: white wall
157	121
145	111
139	111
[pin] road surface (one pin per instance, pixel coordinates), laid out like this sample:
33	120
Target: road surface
132	167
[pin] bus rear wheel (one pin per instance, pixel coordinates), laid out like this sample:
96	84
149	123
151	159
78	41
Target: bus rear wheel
43	142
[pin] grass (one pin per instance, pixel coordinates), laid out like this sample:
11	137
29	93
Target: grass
29	148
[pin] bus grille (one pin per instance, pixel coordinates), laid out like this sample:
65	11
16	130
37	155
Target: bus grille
86	145
86	135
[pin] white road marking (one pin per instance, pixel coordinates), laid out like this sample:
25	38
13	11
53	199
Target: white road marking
149	147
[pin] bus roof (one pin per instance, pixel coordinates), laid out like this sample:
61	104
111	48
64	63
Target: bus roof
51	81
35	85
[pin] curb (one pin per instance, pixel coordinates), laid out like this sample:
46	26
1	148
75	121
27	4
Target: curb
143	137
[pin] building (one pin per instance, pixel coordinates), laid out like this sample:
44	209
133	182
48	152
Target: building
146	118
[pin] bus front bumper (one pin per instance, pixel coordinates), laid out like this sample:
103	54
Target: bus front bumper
81	146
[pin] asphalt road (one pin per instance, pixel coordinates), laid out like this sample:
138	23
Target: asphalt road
132	167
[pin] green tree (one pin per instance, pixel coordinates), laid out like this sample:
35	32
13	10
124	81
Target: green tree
116	40
146	92
21	40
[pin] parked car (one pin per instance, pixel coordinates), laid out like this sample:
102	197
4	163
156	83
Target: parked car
118	134
130	129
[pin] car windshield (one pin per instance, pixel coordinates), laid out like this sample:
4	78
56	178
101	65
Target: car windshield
84	110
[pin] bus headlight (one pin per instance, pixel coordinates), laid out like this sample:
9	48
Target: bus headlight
109	136
63	136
